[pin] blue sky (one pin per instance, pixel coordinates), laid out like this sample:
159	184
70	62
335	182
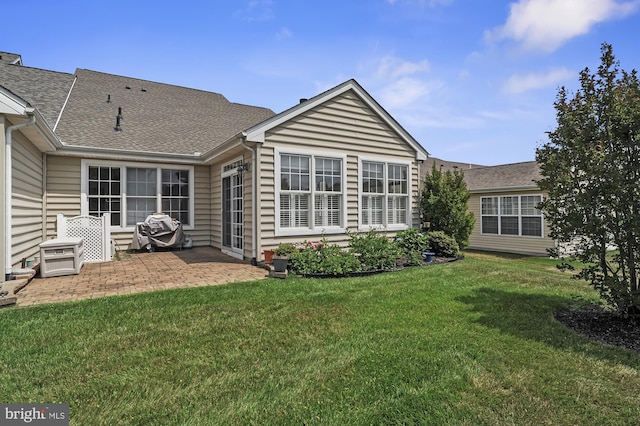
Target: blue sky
471	80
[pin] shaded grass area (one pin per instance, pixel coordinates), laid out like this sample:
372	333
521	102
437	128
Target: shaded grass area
471	342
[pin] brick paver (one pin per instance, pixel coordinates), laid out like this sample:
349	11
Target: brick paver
140	272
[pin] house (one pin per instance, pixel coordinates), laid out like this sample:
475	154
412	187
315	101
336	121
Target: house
238	177
503	200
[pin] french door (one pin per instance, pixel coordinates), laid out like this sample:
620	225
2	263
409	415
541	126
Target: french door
232	211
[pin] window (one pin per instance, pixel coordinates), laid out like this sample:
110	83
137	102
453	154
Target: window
104	192
131	193
310	192
384	194
511	215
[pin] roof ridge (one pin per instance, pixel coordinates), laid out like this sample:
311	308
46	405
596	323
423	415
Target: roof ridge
37	69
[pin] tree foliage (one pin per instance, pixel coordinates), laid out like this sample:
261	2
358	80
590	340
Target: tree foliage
591	172
443	203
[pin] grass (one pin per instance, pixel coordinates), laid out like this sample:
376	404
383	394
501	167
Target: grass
467	343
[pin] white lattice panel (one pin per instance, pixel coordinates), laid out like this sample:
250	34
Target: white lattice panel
94	231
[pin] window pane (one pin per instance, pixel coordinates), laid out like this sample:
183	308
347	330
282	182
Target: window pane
509	205
490	206
532	226
397	179
530	204
372	211
397	210
141	194
175	194
103	192
509	225
328	174
490	225
327	210
373	178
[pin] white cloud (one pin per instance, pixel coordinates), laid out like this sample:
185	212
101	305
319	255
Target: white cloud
520	83
256	11
283	33
401	83
545	25
405	91
393	67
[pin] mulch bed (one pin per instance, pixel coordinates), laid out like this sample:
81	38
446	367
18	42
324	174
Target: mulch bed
603	326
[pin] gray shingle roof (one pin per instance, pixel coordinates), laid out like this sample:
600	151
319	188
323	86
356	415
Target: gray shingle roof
157	117
10	58
503	176
445	165
45	90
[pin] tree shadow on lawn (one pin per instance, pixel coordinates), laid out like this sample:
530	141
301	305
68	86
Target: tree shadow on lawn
531	316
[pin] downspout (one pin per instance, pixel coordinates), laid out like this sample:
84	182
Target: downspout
254	203
8	191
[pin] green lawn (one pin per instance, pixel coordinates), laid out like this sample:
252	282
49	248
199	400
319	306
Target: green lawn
467	343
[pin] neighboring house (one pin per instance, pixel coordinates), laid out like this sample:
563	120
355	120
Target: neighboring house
504	202
238	177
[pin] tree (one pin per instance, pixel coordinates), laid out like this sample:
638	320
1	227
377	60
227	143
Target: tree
591	171
443	203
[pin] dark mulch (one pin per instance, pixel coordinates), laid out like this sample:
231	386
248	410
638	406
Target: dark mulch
603	326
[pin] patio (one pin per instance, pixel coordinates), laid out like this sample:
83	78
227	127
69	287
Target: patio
140	272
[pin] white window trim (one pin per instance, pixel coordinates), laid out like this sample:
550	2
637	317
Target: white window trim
232	251
84	188
386	226
312	229
520	215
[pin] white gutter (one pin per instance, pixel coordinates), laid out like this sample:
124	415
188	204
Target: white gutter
8	189
254	201
505	189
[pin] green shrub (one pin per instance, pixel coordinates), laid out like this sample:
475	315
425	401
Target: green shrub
373	250
413	258
442	244
412	240
323	258
285	249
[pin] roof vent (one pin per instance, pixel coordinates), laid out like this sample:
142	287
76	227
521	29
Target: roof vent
127	87
143	90
108	99
117	128
303	100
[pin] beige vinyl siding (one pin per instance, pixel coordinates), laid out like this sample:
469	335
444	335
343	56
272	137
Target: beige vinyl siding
63	196
62	190
506	243
344	125
215	234
239	153
26	211
202	207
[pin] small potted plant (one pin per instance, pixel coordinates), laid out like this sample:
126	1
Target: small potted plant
282	255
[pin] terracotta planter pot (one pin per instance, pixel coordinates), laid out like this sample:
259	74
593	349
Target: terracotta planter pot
268	256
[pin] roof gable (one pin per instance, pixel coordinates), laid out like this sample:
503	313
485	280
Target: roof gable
257	132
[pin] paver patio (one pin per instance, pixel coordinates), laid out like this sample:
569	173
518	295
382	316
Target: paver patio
140	272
